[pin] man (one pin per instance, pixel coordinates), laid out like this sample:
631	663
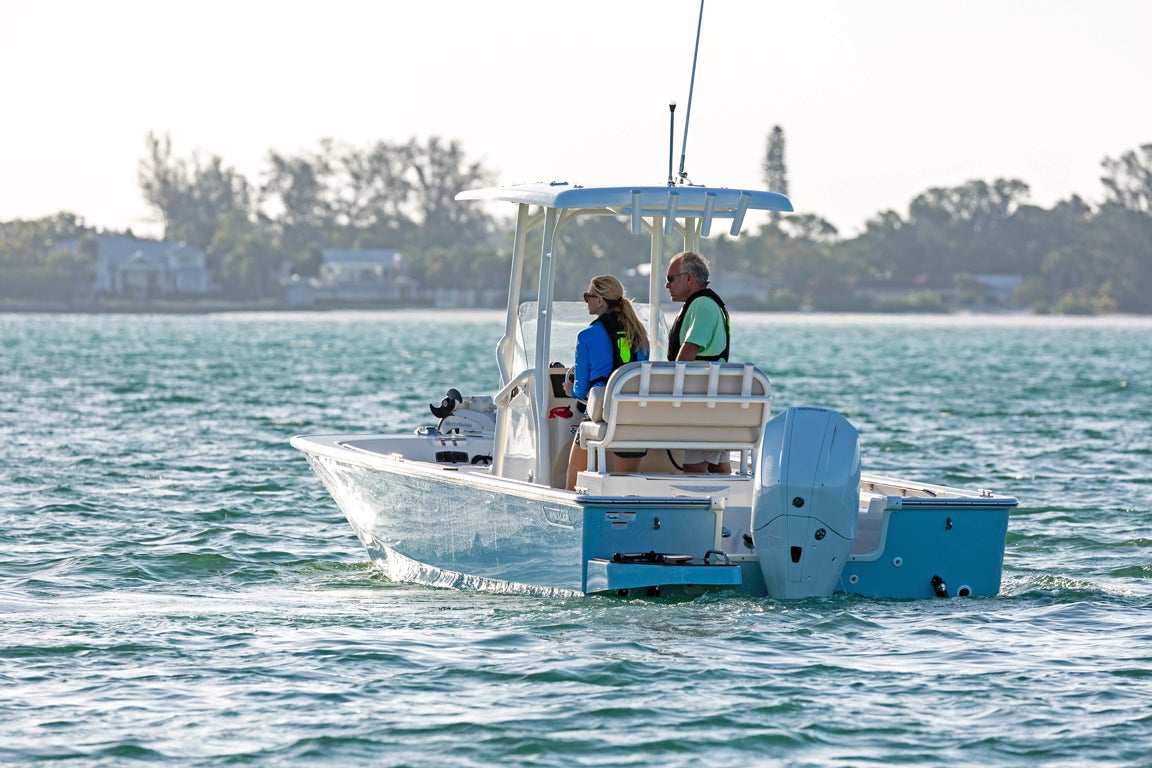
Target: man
700	332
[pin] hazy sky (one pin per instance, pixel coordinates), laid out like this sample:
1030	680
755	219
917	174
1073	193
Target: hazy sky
878	100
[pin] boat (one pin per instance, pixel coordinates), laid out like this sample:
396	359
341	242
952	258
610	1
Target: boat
477	500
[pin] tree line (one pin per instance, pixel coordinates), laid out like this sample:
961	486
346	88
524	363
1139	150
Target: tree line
1073	257
338	196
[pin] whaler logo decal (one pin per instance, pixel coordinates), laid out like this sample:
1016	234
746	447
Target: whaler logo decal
557	516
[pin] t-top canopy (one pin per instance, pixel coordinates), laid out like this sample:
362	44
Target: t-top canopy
705	203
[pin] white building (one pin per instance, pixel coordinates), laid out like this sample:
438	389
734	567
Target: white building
370	276
134	268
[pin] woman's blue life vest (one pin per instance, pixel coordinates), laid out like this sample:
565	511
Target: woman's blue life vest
674	342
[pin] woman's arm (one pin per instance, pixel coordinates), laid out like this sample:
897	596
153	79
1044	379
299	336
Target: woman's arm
582	369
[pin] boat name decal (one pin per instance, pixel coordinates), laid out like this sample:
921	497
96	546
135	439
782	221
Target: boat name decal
619	518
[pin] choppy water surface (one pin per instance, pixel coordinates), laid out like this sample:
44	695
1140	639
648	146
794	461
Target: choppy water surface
177	587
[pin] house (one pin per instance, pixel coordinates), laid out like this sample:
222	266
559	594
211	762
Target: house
905	288
998	289
138	269
738	291
979	291
467	298
742	291
354	277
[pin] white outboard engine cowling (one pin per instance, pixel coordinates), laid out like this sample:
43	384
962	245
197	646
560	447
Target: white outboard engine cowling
806	501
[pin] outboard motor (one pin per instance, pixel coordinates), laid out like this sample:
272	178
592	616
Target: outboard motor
806	501
473	415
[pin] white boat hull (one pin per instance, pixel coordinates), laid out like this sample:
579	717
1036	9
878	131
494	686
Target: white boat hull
457	526
469	529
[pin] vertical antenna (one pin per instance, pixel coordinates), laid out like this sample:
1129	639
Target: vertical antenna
671	140
691	86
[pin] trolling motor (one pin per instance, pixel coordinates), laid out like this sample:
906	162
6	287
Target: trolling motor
461	415
447	405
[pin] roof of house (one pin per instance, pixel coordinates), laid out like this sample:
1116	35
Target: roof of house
386	256
115	249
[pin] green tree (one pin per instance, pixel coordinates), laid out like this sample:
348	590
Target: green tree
1128	179
809	227
438	171
949	230
29	241
34	266
1033	232
247	256
388	196
889	245
377	192
191	196
775	169
1118	258
297	190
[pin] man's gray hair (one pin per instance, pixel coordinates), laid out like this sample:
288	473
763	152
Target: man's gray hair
696	264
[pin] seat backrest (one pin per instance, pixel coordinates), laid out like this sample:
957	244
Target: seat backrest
701	405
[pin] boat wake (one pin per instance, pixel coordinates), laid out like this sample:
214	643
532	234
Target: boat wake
398	568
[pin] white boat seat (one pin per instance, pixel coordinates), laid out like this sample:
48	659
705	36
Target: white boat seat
688	405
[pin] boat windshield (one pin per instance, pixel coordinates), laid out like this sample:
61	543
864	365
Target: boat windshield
568	319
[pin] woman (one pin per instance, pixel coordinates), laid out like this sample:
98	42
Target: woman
614	338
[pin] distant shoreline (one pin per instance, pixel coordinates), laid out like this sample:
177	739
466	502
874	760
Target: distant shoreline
220	307
190	308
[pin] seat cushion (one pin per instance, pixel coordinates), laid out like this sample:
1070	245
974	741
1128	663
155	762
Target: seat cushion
592	430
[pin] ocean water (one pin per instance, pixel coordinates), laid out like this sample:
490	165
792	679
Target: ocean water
176	587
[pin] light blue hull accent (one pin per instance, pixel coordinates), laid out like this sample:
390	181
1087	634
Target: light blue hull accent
610	577
961	543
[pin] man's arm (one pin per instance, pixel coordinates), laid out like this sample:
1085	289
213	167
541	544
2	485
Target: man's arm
688	351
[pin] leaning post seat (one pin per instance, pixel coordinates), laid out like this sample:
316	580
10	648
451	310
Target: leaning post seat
687	405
